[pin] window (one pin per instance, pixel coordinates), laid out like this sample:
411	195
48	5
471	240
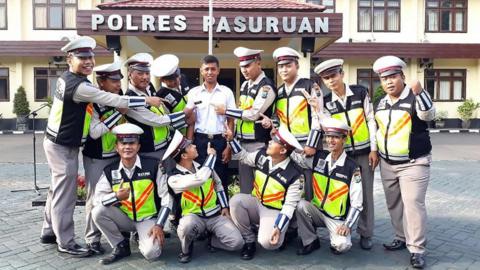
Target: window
329	4
4	87
446	84
46	81
3	14
369	79
378	15
446	16
54	14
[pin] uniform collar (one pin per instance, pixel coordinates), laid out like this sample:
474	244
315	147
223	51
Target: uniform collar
137	164
293	84
217	87
404	94
282	165
187	171
348	92
340	161
257	80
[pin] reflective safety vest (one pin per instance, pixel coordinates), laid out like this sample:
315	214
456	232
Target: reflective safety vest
176	102
143	202
103	147
270	188
249	130
358	141
331	191
153	138
86	123
200	200
401	135
65	122
293	110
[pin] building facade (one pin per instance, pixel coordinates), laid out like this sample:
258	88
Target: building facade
438	39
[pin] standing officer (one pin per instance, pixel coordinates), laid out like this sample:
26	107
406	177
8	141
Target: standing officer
99	148
257	95
202	200
337	192
166	68
277	190
156	130
351	105
209	127
405	150
63	138
132	195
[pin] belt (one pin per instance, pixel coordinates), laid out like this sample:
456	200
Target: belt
208	136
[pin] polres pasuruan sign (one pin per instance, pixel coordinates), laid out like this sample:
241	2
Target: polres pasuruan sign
194	24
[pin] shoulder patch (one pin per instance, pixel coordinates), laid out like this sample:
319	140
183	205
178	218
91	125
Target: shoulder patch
265	90
170	98
60	88
261	161
357	177
318	90
320	165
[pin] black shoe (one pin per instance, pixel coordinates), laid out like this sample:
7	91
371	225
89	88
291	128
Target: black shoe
126	235
304	250
96	248
122	250
290	235
210	248
366	243
48	239
417	260
395	245
186	257
248	251
335	251
76	251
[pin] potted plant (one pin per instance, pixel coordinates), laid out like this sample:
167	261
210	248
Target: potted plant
466	111
439	119
21	108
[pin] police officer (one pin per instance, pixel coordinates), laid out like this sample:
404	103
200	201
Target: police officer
99	148
132	195
155	126
63	139
172	91
277	190
202	199
405	150
257	95
337	192
351	105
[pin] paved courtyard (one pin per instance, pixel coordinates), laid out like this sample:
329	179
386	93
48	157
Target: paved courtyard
453	226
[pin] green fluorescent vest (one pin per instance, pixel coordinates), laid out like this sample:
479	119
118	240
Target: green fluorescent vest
200	200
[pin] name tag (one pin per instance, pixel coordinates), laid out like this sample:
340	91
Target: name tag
406	105
170	98
144	174
341	175
356	102
299	89
283	179
116	175
261	161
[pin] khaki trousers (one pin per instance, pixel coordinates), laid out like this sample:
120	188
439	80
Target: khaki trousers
309	218
224	233
246	210
366	221
405	187
93	170
62	195
112	222
245	172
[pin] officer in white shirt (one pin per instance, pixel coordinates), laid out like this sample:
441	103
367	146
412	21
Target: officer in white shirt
209	127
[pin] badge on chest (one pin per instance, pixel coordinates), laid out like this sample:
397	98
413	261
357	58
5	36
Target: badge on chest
332	107
320	166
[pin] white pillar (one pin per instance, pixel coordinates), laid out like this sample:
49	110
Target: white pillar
304	65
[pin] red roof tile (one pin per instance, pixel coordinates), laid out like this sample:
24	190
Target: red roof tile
266	5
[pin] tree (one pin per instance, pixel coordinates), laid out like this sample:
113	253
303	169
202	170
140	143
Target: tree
20	102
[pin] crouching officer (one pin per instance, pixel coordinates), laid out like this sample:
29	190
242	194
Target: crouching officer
337	192
405	150
203	202
276	192
132	195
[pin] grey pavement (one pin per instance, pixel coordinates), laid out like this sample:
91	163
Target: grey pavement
452	203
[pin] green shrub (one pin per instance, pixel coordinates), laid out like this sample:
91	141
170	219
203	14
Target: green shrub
20	102
378	94
467	108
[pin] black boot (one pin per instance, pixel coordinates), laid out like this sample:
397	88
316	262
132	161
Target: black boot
417	260
48	239
290	235
304	250
248	251
186	257
96	248
122	250
395	245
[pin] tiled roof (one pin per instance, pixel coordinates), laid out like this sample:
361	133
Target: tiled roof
39	48
270	5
